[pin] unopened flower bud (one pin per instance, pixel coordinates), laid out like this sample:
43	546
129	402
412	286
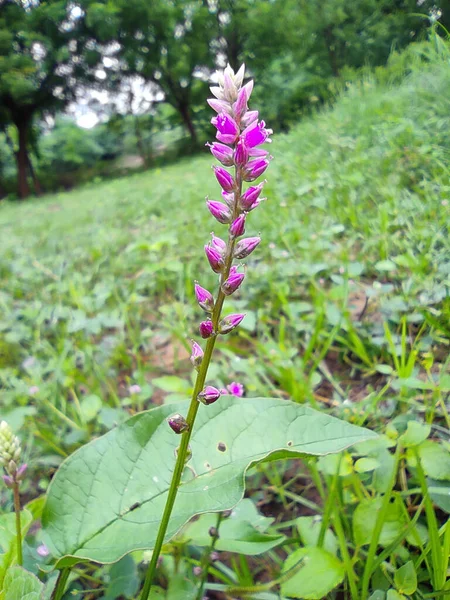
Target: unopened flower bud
250	117
197	571
229	323
215	259
206	329
219	211
21	472
245	247
214	556
240	106
241	154
229	199
219	106
209	395
224	178
250	196
255	168
213	532
10	450
204	298
9	481
178	423
196	355
237	227
223	153
232	283
218	244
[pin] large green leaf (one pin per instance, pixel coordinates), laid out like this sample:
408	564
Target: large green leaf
21	585
8	540
107	498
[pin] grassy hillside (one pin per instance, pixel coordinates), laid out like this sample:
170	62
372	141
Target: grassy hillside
97	284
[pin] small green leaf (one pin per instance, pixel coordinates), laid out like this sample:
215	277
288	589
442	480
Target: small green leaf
364	465
241	532
415	433
90	407
107	498
440	493
181	588
364	519
318	573
329	464
385	265
378	595
435	460
309	530
19	584
405	578
394	595
123	579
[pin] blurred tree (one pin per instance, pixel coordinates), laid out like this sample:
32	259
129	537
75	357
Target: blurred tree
169	44
46	49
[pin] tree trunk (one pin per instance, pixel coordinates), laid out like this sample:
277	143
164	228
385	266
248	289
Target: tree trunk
140	144
330	43
187	120
34	177
22	159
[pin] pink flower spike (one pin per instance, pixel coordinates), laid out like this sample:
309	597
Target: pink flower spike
227	128
256	134
219	211
209	395
255	168
232	283
224	178
196	355
241	154
237	227
236	389
245	247
204	298
250	196
229	323
206	329
223	153
215	259
248	87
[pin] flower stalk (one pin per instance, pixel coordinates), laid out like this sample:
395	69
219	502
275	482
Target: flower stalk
238	134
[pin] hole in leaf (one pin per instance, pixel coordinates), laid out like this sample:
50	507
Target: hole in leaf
221	447
290	443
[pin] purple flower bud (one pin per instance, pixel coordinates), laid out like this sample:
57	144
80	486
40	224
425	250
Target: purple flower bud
219	211
237	227
215	259
227	128
250	196
213	532
255	168
197	571
229	87
256	134
134	389
258	152
214	556
204	298
229	199
42	550
241	154
209	395
240	106
250	117
222	152
224	178
236	389
9	481
197	354
219	106
206	329
232	283
245	247
178	423
218	244
21	471
229	323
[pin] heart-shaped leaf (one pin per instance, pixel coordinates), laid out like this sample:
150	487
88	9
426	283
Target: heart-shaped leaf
107	498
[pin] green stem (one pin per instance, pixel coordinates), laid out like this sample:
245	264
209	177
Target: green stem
345	553
329	505
206	559
368	569
193	409
61	584
18	524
